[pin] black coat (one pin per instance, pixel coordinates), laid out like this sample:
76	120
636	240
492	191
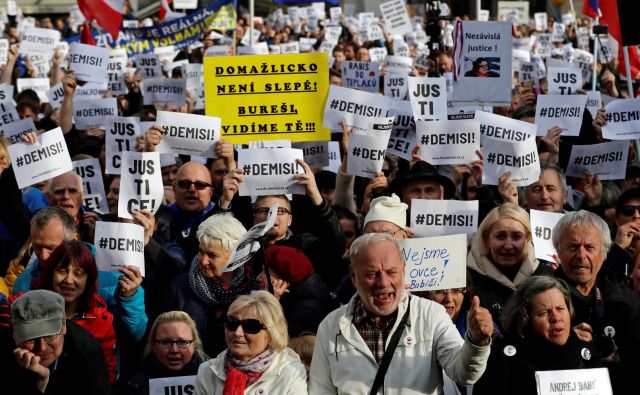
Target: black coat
305	305
151	368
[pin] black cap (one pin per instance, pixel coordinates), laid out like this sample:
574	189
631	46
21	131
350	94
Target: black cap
426	171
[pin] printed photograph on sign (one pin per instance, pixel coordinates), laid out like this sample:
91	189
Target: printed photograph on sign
482	67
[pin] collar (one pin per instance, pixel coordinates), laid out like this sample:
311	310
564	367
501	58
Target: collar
360	315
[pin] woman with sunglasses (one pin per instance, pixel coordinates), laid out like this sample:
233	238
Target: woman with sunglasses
257	360
174	349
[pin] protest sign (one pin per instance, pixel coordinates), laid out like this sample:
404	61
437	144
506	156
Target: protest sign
149	66
8	114
173	385
88	113
15	130
120	136
543	45
289	48
90	91
218	50
428	97
39	85
316	153
398	64
164	90
140	183
268	97
483	62
119	244
518	157
270	171
350	104
401	49
396	17
403	135
623	120
378	54
39	41
582	36
116	83
95	198
541	20
361	75
563	81
542	224
583	60
594	102
188	134
575	381
365	155
521	8
483	15
448	142
47	158
334	157
608	161
494	126
185	4
434	263
335	13
6	92
396	86
4	50
564	111
443	217
557	32
88	62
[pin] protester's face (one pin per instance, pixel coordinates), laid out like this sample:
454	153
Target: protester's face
66	192
349	53
386	227
113	195
70	282
26	112
169	174
422	189
445	64
451	299
218	171
363	55
173	357
549	316
242	345
546	194
348	230
45	239
335	80
378	275
581	253
212	258
628	212
472	189
190	199
635	276
283	221
506	241
48	348
339	56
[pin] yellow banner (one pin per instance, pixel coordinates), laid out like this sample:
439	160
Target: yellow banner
224	19
268	97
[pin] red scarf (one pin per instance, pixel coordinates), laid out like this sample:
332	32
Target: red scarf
238	380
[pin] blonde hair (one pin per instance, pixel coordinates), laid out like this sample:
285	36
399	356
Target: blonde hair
269	311
506	210
175	316
303	346
4	152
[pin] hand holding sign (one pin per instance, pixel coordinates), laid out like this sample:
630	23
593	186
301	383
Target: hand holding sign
230	186
507	188
129	282
69	83
147	220
224	150
153	136
592	188
599	121
480	323
309	181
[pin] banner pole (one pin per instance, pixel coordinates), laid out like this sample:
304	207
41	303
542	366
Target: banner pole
627	66
594	78
251	12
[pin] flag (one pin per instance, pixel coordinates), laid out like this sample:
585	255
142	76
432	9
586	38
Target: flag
590	8
610	17
105	14
86	37
164	9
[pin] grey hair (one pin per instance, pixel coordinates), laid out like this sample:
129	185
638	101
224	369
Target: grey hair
550	166
76	177
583	218
44	216
224	227
517	312
369	239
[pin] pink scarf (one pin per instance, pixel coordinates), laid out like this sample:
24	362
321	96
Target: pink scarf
241	374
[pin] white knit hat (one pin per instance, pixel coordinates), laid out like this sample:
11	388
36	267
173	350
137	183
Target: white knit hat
390	209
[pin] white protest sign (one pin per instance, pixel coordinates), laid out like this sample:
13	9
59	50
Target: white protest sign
140	183
335	13
188	134
166	53
623	120
15	130
396	86
115	77
374	32
316	153
88	62
306	43
39	41
428	97
88	113
332	34
292	47
39	85
448	142
564	111
172	385
484	59
563	81
119	244
557	32
334	157
4	50
8	114
521	8
544	45
218	50
542	224
520	158
583	60
55	95
47	158
149	66
396	17
542	22
365	155
494	126
594	102
361	75
606	160
90	91
378	54
269	171
434	263
400	48
185	4
120	136
483	15
443	217
574	382
583	38
95	198
604	50
162	90
398	64
348	104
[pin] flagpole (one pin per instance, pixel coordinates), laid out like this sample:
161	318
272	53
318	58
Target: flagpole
627	66
594	78
251	11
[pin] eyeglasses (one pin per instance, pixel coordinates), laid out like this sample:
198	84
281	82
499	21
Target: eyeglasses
47	339
250	325
483	66
629	210
441	293
198	185
170	343
265	210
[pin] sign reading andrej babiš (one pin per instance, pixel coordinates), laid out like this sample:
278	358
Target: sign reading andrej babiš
268	97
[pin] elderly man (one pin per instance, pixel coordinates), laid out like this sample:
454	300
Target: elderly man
385	327
424	182
606	310
53	355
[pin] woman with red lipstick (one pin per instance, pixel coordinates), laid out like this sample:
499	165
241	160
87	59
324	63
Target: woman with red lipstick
538	337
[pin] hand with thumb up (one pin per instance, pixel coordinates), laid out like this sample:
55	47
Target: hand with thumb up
480	323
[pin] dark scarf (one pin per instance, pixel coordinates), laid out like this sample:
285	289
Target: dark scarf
188	218
213	292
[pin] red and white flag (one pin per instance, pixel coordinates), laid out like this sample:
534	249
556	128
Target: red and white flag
107	13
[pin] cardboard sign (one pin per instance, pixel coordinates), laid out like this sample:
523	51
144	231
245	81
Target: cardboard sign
115	77
361	75
564	111
428	97
366	155
542	225
15	130
149	66
268	97
120	135
188	134
88	113
140	183
396	86
39	41
349	104
574	382
448	142
316	153
95	197
88	62
163	90
493	126
47	158
606	160
39	85
434	263
119	244
623	120
55	95
270	171
443	217
396	17
520	158
563	81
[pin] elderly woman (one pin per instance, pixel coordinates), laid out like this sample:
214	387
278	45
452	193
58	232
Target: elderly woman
174	349
257	360
205	292
538	337
502	257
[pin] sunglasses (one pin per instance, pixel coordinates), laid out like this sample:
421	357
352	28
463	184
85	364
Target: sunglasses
628	210
250	325
198	185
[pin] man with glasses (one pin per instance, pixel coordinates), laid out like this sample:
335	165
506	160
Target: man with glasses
52	355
